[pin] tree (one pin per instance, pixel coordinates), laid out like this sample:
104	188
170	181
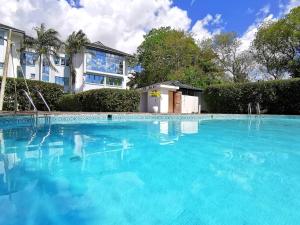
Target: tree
233	61
206	70
46	44
166	51
276	46
74	45
168	54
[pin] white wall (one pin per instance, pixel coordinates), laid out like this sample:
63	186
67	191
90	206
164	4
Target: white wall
189	104
153	102
79	67
3	47
164	101
14	57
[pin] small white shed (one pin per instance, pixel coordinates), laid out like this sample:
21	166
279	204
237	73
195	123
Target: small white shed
170	97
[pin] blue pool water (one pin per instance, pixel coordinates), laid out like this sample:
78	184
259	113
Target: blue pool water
198	172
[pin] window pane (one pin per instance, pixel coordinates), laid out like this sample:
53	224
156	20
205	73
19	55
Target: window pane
114	81
19	72
94	79
62	61
45	77
60	80
104	62
1	68
1	37
56	60
32	75
29	58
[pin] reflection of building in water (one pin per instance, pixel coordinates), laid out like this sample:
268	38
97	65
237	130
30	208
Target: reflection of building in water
189	127
170	131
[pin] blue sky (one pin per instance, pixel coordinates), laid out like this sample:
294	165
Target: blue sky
122	24
237	15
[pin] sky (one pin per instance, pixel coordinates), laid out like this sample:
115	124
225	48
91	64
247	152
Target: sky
122	24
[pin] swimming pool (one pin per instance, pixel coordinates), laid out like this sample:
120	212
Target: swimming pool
228	170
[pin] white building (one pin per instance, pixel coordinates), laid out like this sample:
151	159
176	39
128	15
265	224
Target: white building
97	67
175	97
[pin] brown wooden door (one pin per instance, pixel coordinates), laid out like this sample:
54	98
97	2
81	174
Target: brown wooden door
177	102
171	102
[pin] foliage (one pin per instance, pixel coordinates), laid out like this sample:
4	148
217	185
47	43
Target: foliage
277	46
168	54
51	93
74	45
45	45
101	100
275	97
234	62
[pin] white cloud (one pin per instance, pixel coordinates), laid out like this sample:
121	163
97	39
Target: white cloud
292	4
120	24
200	30
250	33
264	15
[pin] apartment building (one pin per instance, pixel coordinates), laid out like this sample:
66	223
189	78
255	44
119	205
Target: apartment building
98	66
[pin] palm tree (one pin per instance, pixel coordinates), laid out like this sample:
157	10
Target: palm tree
74	45
45	45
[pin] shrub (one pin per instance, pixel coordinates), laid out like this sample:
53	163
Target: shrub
51	93
101	100
274	97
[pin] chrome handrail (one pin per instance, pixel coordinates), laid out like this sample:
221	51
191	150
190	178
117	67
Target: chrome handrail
258	108
249	109
30	100
42	97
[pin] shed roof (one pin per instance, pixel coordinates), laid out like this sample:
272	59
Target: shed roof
181	85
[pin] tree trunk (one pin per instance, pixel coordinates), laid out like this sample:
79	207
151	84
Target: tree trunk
71	76
40	67
5	69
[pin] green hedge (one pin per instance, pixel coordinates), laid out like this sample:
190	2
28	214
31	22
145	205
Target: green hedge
275	97
101	100
51	93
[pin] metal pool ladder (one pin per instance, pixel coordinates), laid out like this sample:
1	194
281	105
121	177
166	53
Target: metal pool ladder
30	100
43	99
258	108
249	108
32	103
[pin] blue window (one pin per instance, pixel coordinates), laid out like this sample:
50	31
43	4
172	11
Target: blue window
19	72
114	81
29	58
1	37
61	80
104	62
62	61
56	60
1	68
45	77
32	76
94	79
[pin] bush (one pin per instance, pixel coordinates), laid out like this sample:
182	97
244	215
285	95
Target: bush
101	100
274	97
51	93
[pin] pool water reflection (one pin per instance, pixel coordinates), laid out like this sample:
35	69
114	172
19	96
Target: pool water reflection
151	172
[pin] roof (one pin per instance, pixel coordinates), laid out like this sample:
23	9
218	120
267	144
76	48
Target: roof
180	85
2	26
99	45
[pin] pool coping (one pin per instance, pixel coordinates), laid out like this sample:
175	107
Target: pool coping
29	118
